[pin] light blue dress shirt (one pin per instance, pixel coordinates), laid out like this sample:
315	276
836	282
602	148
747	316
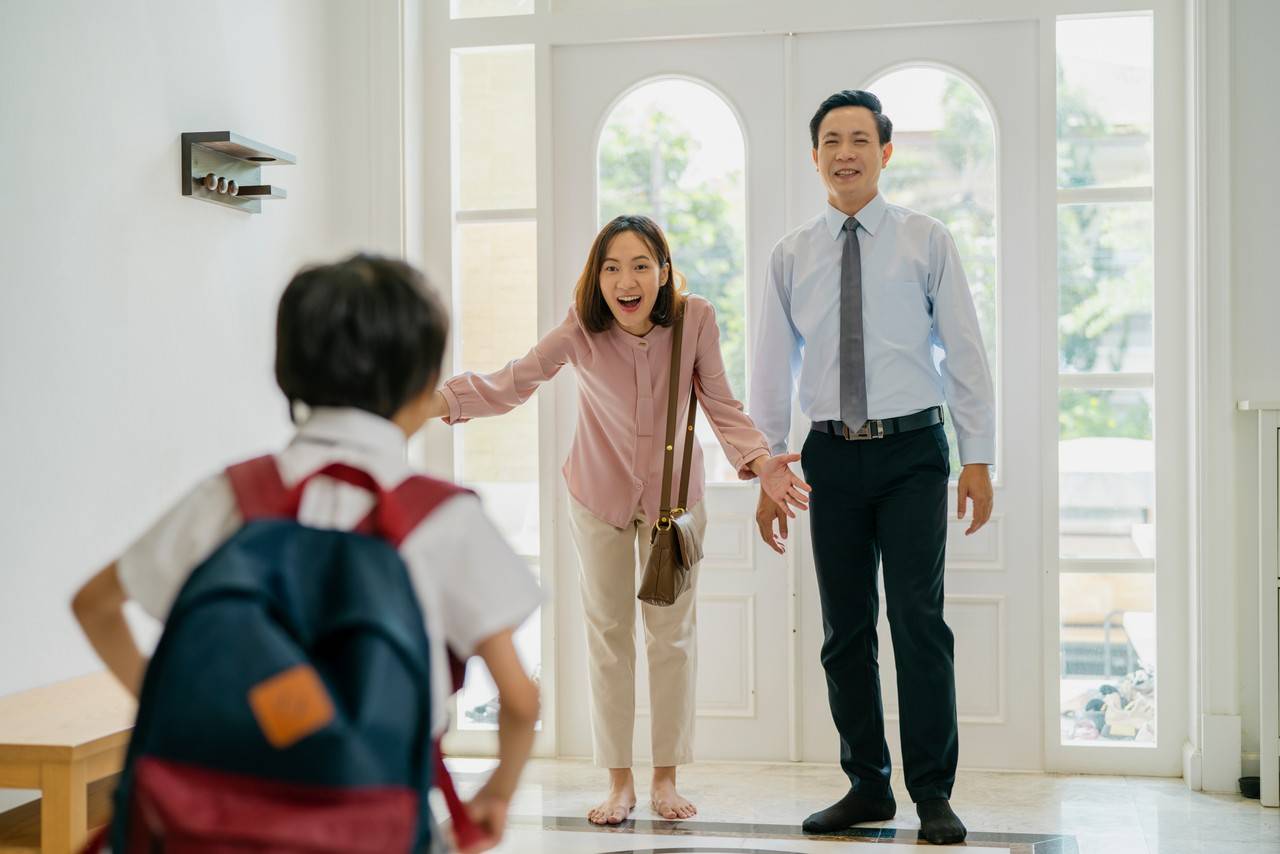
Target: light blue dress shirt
915	301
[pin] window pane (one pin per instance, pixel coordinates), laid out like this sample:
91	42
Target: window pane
673	150
489	8
1108	658
944	165
1106	474
1104	101
1105	288
493	122
496	320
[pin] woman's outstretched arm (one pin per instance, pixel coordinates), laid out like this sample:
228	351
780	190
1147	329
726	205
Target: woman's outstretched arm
743	443
470	395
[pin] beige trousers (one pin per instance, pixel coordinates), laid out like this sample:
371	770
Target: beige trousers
609	573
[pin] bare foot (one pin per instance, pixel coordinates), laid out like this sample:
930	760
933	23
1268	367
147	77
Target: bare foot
665	800
621	800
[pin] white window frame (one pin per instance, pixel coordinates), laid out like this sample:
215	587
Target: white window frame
1167	382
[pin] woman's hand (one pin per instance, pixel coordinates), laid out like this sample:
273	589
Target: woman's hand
780	483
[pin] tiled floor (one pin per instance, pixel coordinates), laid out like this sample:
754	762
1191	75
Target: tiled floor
745	807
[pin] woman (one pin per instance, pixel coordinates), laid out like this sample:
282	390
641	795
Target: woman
618	338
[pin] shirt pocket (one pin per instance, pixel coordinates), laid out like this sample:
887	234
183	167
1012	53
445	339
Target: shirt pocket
897	313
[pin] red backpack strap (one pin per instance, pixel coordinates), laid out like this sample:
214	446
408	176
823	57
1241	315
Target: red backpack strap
466	833
260	491
402	509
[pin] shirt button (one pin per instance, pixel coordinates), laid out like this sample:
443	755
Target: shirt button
639	484
644	344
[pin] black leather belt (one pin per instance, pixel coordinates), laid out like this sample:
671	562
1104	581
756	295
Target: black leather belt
887	427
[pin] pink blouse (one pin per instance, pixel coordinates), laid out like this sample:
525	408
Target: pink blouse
615	463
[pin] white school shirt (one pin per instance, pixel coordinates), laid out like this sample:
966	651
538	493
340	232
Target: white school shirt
915	301
470	584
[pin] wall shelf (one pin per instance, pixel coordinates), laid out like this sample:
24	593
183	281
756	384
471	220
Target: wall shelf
226	168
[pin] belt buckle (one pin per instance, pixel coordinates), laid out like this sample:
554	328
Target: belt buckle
864	432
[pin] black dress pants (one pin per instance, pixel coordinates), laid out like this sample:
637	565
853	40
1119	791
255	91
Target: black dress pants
885	501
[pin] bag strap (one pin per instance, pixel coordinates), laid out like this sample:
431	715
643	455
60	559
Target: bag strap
259	490
688	447
261	493
466	833
673	404
414	499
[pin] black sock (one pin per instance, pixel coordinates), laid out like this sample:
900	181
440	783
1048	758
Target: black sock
938	824
850	810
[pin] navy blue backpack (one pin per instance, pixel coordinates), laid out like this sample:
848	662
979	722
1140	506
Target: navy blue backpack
287	707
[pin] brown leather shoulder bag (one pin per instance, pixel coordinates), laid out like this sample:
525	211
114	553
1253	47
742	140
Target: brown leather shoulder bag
676	546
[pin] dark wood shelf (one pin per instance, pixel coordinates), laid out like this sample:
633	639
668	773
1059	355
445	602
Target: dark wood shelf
262	191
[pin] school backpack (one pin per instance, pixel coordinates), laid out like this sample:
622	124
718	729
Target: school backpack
287	707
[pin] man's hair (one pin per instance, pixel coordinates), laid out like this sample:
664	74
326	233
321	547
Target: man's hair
852	98
367	332
593	311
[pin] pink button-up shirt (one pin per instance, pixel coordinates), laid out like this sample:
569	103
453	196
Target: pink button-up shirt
615	463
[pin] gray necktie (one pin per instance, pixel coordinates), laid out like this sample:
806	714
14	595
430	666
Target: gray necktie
853	363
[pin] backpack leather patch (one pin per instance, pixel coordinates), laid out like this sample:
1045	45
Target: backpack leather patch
291	705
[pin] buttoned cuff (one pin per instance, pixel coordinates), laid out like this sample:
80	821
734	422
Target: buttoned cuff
455	405
744	466
977	449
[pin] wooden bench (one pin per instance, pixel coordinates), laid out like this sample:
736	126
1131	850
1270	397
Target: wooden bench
68	740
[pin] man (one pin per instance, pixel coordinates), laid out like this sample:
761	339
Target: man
856	301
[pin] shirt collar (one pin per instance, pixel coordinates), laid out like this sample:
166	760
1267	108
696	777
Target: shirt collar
354	427
870	217
639	342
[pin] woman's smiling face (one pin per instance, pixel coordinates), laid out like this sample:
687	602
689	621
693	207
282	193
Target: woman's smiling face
630	279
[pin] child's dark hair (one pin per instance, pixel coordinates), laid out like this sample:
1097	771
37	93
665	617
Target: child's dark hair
367	332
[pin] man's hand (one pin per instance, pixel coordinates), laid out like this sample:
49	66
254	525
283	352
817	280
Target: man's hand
975	483
767	510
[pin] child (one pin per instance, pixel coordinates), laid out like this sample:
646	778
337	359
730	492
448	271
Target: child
359	344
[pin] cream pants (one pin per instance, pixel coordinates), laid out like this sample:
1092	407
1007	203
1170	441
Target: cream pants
609	574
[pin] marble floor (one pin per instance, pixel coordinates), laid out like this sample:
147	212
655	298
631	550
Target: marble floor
758	807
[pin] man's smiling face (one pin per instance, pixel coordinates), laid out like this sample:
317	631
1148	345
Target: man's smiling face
849	155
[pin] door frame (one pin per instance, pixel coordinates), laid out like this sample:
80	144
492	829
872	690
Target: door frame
738	574
426	217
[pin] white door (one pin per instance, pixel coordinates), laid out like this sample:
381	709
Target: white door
743	699
993	579
762	694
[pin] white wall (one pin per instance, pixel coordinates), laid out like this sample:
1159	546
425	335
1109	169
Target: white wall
136	326
1255	301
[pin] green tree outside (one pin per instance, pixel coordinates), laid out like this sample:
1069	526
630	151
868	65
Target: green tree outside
1105	280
